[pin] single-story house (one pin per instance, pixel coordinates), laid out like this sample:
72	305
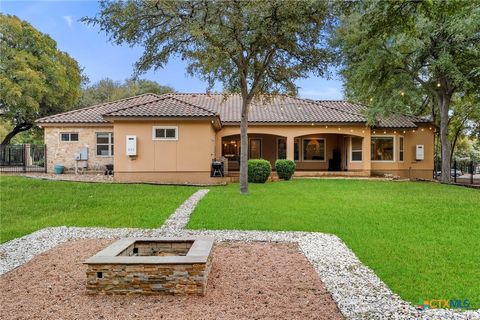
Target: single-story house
173	138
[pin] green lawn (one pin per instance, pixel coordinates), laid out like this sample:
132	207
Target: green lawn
421	239
28	205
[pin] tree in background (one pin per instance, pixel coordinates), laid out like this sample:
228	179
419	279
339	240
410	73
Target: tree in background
107	90
405	55
36	79
251	47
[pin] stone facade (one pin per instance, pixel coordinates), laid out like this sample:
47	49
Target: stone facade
63	152
165	267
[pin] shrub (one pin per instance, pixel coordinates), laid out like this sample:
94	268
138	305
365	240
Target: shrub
258	170
285	168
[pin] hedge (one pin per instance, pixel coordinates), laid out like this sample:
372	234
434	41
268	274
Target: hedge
258	170
285	168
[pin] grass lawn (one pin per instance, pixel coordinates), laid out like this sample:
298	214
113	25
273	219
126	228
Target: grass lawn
421	239
28	205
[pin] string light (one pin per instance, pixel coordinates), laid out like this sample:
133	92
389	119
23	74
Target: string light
326	127
351	130
312	124
404	131
422	129
395	132
363	131
339	129
430	128
438	84
373	131
402	93
384	132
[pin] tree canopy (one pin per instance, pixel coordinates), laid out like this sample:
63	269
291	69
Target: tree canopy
251	47
409	55
36	79
107	90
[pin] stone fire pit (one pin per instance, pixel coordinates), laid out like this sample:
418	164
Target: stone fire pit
174	266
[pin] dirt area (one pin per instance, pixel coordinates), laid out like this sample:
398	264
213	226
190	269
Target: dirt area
248	281
87	177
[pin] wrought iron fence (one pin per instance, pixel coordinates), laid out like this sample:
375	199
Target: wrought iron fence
23	158
463	171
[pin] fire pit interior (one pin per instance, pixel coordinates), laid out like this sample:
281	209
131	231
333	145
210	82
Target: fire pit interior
151	266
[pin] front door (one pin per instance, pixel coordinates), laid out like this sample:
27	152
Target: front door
255	149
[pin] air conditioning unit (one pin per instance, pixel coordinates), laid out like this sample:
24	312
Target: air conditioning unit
419	152
131	146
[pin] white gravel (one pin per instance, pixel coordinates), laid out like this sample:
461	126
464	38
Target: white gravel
358	292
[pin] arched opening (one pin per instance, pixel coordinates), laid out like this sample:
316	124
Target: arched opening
329	152
260	146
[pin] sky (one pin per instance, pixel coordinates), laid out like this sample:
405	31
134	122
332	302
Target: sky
102	59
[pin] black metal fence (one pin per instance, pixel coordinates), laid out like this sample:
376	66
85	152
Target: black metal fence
462	171
23	158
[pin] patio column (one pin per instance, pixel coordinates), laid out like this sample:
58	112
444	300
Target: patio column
290	147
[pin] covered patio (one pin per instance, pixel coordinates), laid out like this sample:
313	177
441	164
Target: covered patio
316	153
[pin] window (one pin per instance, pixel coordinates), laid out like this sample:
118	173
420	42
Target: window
314	149
281	148
165	133
255	151
105	144
400	158
382	149
231	149
296	150
356	148
68	136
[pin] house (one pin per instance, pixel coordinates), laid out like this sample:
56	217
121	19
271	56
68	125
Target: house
173	138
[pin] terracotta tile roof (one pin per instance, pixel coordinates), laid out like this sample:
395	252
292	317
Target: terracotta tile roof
94	114
164	106
287	109
279	109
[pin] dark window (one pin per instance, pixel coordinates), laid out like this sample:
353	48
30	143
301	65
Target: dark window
67	136
296	151
314	149
165	133
282	148
382	149
401	150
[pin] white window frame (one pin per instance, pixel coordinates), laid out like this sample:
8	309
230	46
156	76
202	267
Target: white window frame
69	137
324	149
351	150
109	144
154	137
394	148
401	149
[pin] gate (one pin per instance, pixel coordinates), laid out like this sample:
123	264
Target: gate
23	158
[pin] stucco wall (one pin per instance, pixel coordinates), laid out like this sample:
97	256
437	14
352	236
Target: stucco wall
63	152
165	161
410	167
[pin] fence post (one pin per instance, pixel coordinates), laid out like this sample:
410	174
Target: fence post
471	172
455	171
24	158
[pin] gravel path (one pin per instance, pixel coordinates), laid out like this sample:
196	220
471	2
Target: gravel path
247	281
358	292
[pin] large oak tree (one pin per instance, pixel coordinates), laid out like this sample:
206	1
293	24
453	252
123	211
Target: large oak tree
251	47
405	55
36	79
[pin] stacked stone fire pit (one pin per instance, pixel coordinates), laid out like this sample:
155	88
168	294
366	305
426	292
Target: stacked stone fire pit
168	266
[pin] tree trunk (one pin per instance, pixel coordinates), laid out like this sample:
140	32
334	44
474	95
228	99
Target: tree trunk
17	129
244	146
444	104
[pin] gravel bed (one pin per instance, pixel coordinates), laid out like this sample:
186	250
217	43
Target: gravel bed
247	281
358	292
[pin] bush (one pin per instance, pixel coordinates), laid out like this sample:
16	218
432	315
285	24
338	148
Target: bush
258	170
285	168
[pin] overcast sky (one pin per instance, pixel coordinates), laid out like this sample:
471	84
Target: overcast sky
100	59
